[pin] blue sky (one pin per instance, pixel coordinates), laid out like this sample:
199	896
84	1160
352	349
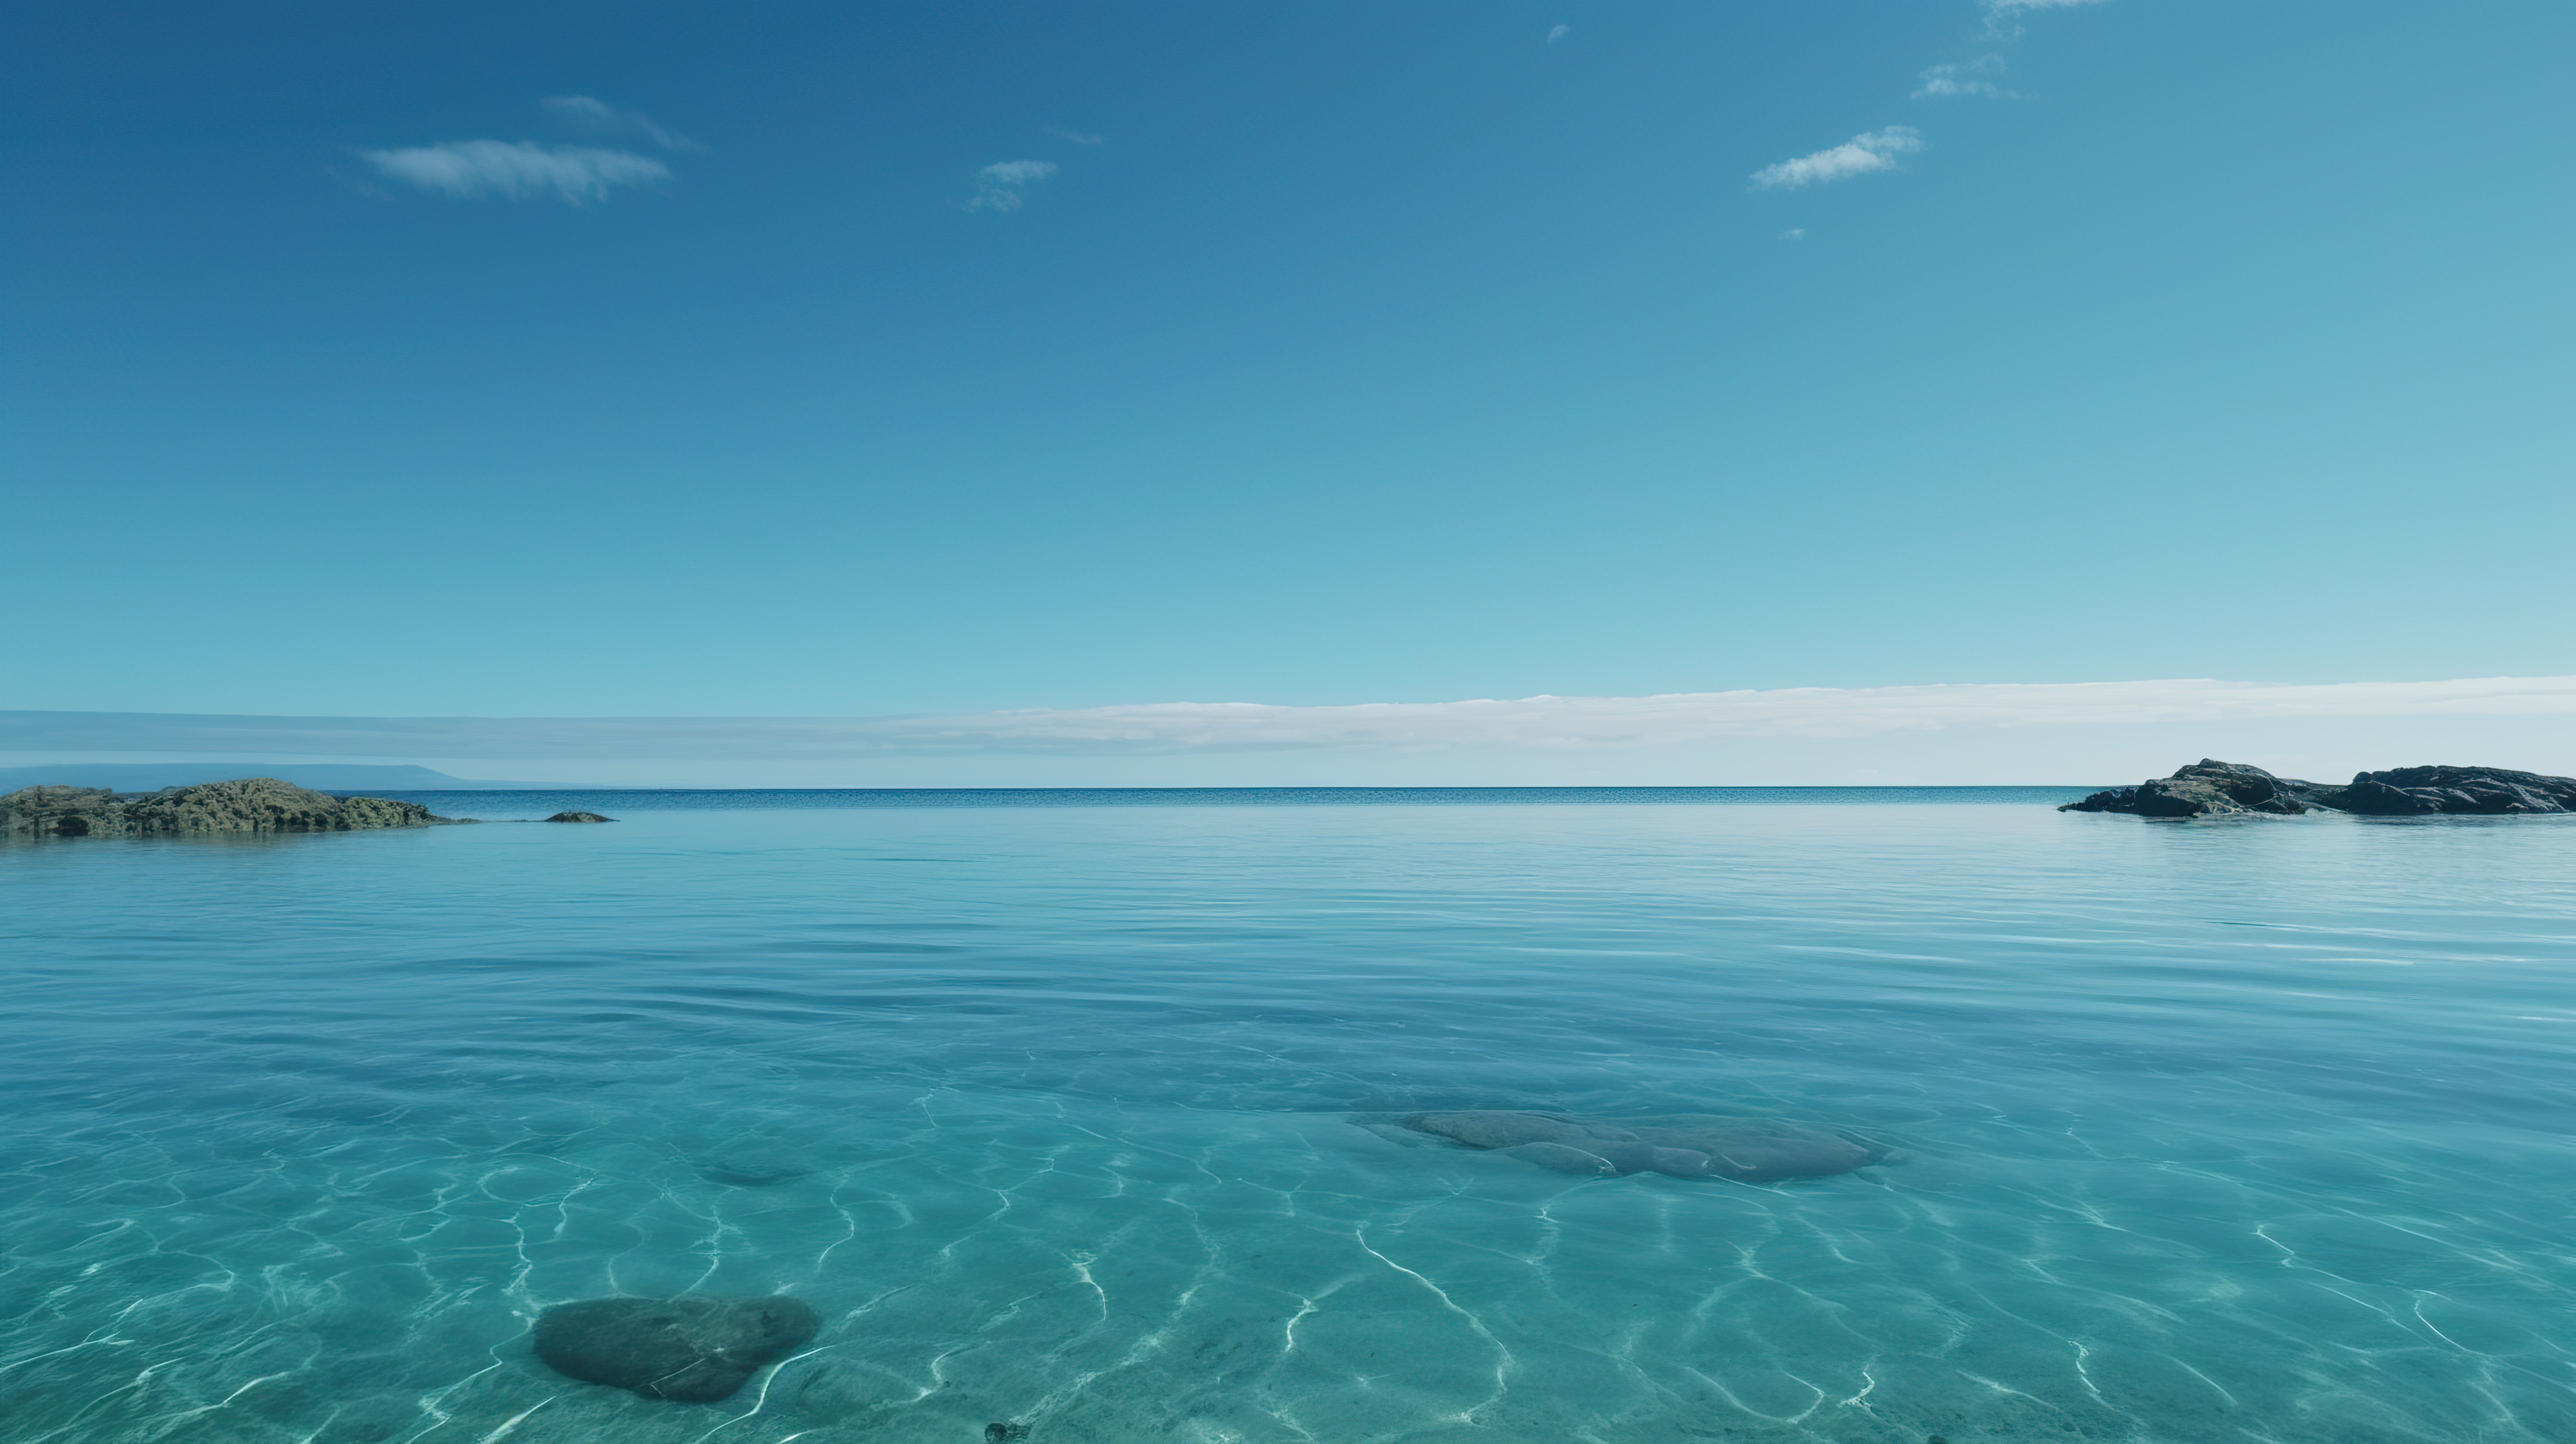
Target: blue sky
826	360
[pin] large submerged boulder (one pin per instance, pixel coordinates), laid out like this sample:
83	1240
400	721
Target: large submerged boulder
1680	1145
2210	788
694	1350
250	804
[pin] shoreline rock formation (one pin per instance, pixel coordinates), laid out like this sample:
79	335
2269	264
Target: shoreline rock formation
1680	1145
250	804
2211	788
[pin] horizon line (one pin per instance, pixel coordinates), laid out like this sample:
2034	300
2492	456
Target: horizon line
1544	723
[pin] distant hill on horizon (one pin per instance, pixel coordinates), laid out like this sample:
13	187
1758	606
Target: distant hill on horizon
320	776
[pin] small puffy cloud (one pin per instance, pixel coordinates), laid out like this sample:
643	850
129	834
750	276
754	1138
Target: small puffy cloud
520	170
1794	233
1078	137
998	186
1870	151
601	118
1555	33
1967	77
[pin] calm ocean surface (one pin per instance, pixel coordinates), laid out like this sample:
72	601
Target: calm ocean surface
2216	1131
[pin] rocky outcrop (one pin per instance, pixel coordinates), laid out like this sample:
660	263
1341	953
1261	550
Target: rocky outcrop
252	804
2207	788
2406	791
2210	788
1680	1145
579	817
694	1350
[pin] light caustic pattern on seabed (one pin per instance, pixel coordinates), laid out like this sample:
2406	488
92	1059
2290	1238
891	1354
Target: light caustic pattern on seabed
1114	1275
1137	1223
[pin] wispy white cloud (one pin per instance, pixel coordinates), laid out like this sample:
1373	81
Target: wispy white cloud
1871	151
1556	33
1966	77
2002	15
520	170
1078	137
601	118
1794	233
1529	724
998	186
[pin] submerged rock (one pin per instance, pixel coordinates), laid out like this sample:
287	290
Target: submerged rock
1680	1145
250	804
752	1164
579	817
694	1350
1562	1157
2210	788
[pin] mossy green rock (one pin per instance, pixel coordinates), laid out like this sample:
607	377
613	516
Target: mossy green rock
250	804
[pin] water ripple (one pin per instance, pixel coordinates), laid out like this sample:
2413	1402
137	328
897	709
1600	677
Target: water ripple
2217	1132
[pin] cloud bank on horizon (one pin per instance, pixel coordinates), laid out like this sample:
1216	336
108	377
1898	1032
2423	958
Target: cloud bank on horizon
1541	724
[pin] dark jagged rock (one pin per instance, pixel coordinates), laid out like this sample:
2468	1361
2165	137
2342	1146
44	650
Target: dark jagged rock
2405	791
694	1350
250	804
579	817
2210	788
2207	788
1680	1145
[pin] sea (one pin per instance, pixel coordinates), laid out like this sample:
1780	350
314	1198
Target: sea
1067	1112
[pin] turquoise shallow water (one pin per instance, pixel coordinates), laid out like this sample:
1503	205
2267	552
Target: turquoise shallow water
2218	1131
